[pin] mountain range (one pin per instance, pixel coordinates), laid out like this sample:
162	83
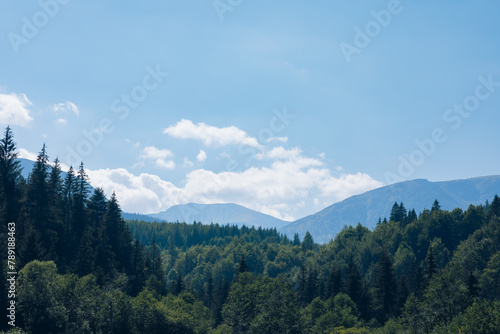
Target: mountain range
365	208
368	207
223	213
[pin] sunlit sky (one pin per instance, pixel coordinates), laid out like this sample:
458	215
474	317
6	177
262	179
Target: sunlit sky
284	107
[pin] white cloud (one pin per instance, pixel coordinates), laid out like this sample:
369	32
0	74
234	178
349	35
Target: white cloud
277	139
145	193
187	162
210	135
279	153
159	156
65	106
284	189
201	156
61	121
347	185
14	109
25	154
165	164
152	152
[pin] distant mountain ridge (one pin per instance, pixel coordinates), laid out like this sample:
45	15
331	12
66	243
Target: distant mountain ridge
416	194
222	213
365	208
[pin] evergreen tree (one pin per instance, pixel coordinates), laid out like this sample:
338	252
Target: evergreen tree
56	211
431	266
38	206
385	288
472	284
209	291
220	295
86	255
80	214
412	216
334	283
398	213
394	212
494	209
154	266
312	285
68	215
117	235
10	172
308	242
435	206
138	276
354	284
296	240
179	285
97	207
301	284
243	265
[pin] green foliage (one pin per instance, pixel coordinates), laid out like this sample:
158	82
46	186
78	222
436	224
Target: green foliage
482	317
327	316
260	305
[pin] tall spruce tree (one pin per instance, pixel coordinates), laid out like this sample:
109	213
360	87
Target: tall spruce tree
56	208
334	282
10	172
431	267
38	207
117	235
243	268
354	284
385	288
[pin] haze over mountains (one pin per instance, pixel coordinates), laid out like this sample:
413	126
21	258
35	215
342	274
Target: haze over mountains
416	194
222	213
365	208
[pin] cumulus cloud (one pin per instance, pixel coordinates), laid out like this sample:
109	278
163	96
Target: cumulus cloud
65	107
187	162
282	189
152	152
61	121
14	109
277	139
144	193
210	135
202	156
279	153
159	156
25	154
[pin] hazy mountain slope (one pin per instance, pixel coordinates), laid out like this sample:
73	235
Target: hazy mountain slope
418	194
219	213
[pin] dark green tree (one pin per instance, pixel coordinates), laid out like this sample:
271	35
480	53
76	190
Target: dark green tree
436	206
354	285
334	283
385	288
308	242
431	267
243	265
10	172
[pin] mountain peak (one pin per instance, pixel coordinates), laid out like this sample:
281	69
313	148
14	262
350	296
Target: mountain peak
417	194
219	213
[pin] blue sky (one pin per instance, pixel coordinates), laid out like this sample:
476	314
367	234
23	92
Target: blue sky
284	107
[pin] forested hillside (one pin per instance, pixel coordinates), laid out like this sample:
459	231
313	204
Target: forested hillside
81	268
